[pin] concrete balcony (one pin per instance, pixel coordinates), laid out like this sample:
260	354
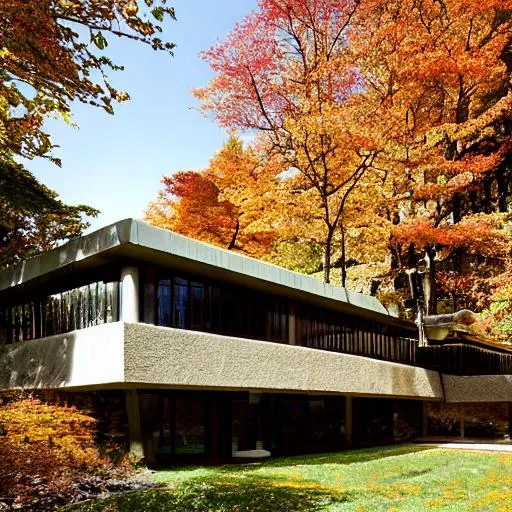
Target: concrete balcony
126	356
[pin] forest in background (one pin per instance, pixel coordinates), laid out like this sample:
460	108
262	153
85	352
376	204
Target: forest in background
380	132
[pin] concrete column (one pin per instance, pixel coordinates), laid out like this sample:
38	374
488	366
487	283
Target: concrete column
291	325
130	294
134	427
348	421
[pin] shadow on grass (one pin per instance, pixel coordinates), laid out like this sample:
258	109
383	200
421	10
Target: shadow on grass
240	488
251	494
345	457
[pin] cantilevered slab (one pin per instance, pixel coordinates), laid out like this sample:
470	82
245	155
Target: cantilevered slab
479	388
86	358
135	240
127	356
160	356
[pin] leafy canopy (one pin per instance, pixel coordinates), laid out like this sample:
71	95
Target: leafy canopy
52	53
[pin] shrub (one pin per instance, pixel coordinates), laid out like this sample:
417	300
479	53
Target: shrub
45	450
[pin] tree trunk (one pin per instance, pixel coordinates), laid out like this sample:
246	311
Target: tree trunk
432	306
327	255
502	191
235	234
343	258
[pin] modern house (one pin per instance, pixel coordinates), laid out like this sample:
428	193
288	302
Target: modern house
206	354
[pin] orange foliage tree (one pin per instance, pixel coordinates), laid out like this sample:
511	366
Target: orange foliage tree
45	450
387	123
227	204
284	73
438	74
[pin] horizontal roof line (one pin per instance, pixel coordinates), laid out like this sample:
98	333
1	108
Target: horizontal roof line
136	232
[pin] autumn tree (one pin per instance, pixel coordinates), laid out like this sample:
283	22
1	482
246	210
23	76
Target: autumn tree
45	451
52	53
226	204
284	73
438	74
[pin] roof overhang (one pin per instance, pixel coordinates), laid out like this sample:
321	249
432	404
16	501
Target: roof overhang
135	240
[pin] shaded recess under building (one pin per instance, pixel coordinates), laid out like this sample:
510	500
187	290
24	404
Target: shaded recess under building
190	352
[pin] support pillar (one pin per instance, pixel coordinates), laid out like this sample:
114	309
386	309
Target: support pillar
134	426
348	421
130	294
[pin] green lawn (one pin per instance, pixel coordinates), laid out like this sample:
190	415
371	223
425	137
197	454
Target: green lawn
405	478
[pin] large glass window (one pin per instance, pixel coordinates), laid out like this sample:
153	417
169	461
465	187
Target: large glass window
310	423
172	426
197	304
190	423
329	330
164	302
82	307
373	420
203	306
487	420
157	426
181	303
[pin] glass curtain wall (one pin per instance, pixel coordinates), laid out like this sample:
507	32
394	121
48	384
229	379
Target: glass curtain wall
92	304
373	421
197	304
328	330
205	306
309	424
174	425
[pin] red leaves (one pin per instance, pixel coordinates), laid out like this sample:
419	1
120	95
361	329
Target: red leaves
274	59
197	210
191	184
220	205
477	234
417	91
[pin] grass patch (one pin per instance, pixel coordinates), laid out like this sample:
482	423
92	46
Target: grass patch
399	478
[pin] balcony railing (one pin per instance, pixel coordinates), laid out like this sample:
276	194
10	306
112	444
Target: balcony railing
367	344
466	357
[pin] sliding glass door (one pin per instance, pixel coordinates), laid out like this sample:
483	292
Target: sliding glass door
174	426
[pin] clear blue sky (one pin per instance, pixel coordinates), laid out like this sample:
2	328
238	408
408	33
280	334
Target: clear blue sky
114	163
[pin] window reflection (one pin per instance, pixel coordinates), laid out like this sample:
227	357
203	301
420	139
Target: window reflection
164	302
82	307
203	306
181	305
190	420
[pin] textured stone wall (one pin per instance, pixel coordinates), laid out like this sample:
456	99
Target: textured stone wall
481	388
173	357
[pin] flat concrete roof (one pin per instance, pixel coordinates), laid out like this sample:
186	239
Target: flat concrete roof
139	241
